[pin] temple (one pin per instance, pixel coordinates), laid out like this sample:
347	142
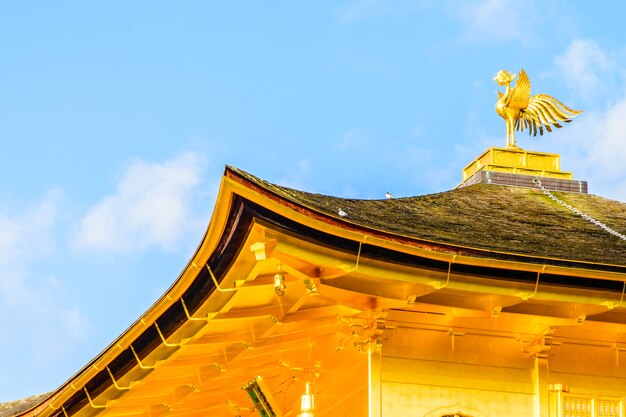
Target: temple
503	296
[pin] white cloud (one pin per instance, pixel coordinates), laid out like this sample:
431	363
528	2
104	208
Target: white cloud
354	140
33	309
593	149
151	207
530	24
585	67
29	232
494	20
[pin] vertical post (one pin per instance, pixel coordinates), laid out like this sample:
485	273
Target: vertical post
542	387
374	381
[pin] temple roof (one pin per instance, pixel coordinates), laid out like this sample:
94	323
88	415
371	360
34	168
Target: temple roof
488	220
223	321
12	408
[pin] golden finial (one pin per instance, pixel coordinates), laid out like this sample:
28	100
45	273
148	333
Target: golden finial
521	111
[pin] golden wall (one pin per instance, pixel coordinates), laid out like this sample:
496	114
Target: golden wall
433	370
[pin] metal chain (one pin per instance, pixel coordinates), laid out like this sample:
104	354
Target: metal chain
578	212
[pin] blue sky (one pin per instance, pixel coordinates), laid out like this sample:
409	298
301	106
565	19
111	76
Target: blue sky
117	118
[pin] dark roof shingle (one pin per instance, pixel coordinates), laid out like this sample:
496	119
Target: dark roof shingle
502	219
16	407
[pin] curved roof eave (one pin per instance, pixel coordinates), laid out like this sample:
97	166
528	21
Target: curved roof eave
54	400
236	184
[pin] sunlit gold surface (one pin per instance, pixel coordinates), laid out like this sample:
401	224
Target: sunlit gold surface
517	161
521	111
376	338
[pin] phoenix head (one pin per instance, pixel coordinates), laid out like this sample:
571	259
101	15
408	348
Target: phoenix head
504	77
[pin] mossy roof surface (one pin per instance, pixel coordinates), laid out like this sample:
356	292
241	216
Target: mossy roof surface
16	407
500	219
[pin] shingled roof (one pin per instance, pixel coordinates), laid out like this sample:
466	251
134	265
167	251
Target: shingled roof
13	408
496	220
487	221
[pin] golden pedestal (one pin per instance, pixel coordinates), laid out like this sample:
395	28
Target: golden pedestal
517	161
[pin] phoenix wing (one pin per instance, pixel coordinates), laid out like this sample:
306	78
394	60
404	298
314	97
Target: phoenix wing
520	94
544	111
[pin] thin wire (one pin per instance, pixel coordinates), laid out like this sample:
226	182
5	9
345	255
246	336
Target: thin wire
578	212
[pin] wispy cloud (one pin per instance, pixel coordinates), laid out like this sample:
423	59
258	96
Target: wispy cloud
355	140
592	146
34	307
154	205
28	230
496	20
595	150
586	67
150	208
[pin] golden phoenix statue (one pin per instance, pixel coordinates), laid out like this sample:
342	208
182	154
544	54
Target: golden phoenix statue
521	111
